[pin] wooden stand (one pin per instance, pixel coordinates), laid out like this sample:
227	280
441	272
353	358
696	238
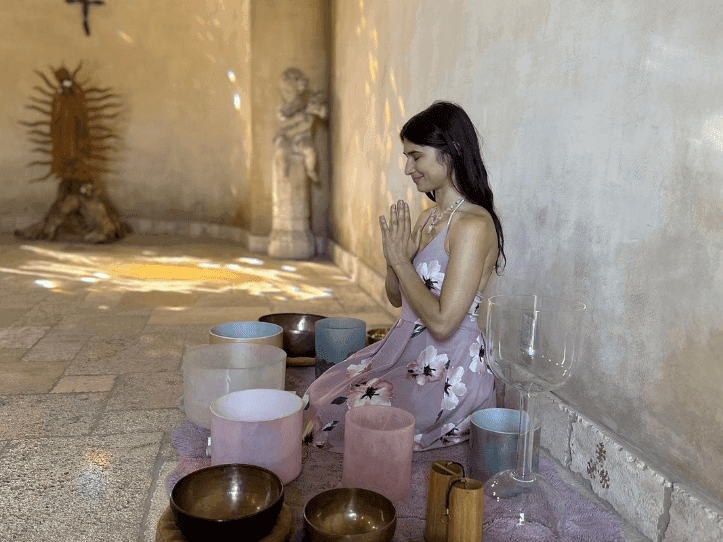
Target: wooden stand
466	504
300	361
168	531
441	474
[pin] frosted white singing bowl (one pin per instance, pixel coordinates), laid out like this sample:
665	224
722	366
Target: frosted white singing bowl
259	427
212	371
247	332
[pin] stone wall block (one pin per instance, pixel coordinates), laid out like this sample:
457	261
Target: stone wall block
7	224
343	260
22	222
636	491
183	229
195	229
237	235
556	420
692	517
372	283
212	230
363	275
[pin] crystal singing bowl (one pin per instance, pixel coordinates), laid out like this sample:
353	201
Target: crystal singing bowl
534	342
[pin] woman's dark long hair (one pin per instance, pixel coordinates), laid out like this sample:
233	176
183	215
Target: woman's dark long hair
446	127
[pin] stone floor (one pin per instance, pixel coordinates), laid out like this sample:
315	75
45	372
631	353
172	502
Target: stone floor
91	344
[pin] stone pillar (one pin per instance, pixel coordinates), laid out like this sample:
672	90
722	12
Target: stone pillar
290	236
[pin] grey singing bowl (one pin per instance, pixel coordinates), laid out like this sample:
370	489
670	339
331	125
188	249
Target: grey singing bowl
227	502
349	514
298	332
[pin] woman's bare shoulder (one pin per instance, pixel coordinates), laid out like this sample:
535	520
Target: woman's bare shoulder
474	216
474	224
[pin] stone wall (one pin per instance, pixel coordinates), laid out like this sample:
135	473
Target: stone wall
602	132
198	81
181	70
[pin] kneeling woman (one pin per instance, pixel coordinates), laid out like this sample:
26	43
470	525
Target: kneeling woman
431	363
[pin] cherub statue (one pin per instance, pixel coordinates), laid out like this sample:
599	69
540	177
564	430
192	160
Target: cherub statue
298	115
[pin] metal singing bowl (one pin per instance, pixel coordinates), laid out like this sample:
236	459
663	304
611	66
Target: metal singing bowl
224	502
298	331
350	514
377	334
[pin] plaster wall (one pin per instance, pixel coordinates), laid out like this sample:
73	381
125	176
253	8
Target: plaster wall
181	69
603	137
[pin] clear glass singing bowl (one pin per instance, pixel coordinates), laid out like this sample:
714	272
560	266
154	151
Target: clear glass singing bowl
533	345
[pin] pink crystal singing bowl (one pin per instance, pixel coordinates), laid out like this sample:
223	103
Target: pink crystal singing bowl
259	427
378	446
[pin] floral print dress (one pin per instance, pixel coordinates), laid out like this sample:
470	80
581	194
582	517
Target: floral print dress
440	382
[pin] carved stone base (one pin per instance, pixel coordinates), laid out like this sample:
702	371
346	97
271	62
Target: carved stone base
290	236
291	245
80	213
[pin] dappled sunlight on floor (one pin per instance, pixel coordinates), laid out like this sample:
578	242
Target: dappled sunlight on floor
110	268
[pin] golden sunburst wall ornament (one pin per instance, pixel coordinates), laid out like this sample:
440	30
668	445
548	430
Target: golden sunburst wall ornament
75	134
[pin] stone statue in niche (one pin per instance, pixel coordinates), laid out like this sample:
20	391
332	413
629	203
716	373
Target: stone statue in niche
75	134
295	164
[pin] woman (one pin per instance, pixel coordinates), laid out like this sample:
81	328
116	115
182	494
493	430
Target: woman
431	363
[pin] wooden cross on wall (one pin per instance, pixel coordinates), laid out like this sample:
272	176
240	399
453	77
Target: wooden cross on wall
86	8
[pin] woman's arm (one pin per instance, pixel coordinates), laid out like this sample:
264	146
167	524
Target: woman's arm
392	285
472	247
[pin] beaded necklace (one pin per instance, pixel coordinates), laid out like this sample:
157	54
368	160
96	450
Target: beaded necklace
436	219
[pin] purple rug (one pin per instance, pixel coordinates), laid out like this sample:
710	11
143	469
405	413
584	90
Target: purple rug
190	441
586	521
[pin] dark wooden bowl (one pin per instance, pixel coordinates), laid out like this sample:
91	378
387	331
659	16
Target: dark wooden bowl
298	332
227	502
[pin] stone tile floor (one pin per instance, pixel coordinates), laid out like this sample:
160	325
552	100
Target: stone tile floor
91	345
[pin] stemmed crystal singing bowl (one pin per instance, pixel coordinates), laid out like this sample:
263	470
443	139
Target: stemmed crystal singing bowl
533	345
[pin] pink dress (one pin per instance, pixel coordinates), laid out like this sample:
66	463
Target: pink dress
440	382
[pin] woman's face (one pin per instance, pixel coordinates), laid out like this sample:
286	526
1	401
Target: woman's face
425	167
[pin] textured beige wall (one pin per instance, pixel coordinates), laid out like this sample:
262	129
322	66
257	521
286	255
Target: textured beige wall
603	129
186	149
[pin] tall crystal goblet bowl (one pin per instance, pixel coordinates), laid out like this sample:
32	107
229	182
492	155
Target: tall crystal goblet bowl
533	345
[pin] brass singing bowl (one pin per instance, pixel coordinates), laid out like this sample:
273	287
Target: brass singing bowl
225	502
377	334
350	515
298	334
